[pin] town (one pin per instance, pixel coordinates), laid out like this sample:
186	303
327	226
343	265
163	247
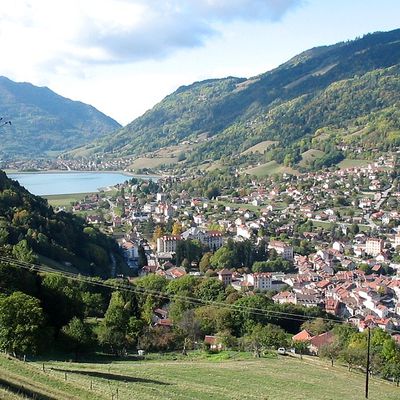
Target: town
326	239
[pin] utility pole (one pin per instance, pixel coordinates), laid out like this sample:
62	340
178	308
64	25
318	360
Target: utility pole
367	369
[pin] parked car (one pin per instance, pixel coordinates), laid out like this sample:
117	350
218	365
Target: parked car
282	351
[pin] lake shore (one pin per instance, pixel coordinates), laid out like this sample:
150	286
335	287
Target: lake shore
63	171
45	183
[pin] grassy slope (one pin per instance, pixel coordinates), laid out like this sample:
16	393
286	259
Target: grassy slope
64	200
143	162
349	163
259	147
272	378
309	156
270	168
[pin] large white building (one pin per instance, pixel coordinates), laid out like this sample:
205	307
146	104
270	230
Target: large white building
243	231
260	280
397	240
374	246
212	239
167	244
283	249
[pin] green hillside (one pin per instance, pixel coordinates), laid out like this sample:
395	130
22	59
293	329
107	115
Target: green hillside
43	121
31	231
338	88
270	378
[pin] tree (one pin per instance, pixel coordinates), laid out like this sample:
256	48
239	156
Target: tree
223	258
205	263
61	299
158	232
245	318
210	289
391	369
317	326
353	356
227	340
186	284
22	324
330	351
152	282
177	228
23	252
189	326
354	229
213	319
266	337
190	249
185	264
300	347
253	341
77	336
213	192
119	328
94	304
142	260
3	236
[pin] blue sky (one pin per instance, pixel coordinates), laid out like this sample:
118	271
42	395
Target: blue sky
123	56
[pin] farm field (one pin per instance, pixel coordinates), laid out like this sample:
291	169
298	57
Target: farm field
310	155
350	163
259	147
249	379
64	200
270	168
144	162
236	206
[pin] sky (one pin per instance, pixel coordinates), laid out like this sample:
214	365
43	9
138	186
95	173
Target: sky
124	56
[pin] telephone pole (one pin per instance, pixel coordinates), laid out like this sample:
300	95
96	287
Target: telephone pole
367	369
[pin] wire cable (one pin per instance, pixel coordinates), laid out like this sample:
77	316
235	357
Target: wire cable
137	289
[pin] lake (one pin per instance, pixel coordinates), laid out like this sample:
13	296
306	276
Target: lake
67	182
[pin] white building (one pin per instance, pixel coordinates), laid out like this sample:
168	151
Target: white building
397	240
167	244
283	249
374	246
225	276
161	197
212	239
243	231
260	280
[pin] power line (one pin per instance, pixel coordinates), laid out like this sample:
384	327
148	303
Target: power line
166	296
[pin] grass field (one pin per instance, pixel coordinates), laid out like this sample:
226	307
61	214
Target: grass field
244	206
310	155
259	147
144	162
247	379
327	224
350	163
63	200
270	168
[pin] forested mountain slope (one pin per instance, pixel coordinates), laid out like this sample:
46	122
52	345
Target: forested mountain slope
43	121
340	88
30	230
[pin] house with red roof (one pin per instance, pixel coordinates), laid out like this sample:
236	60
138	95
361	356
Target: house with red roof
319	341
213	342
302	336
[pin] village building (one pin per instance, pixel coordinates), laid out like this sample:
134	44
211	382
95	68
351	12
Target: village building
283	249
374	246
167	244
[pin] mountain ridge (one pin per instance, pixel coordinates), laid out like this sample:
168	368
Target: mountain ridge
44	121
227	110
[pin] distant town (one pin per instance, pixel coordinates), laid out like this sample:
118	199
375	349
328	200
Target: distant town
338	232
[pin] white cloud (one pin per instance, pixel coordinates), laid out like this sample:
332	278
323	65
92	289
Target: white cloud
65	35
